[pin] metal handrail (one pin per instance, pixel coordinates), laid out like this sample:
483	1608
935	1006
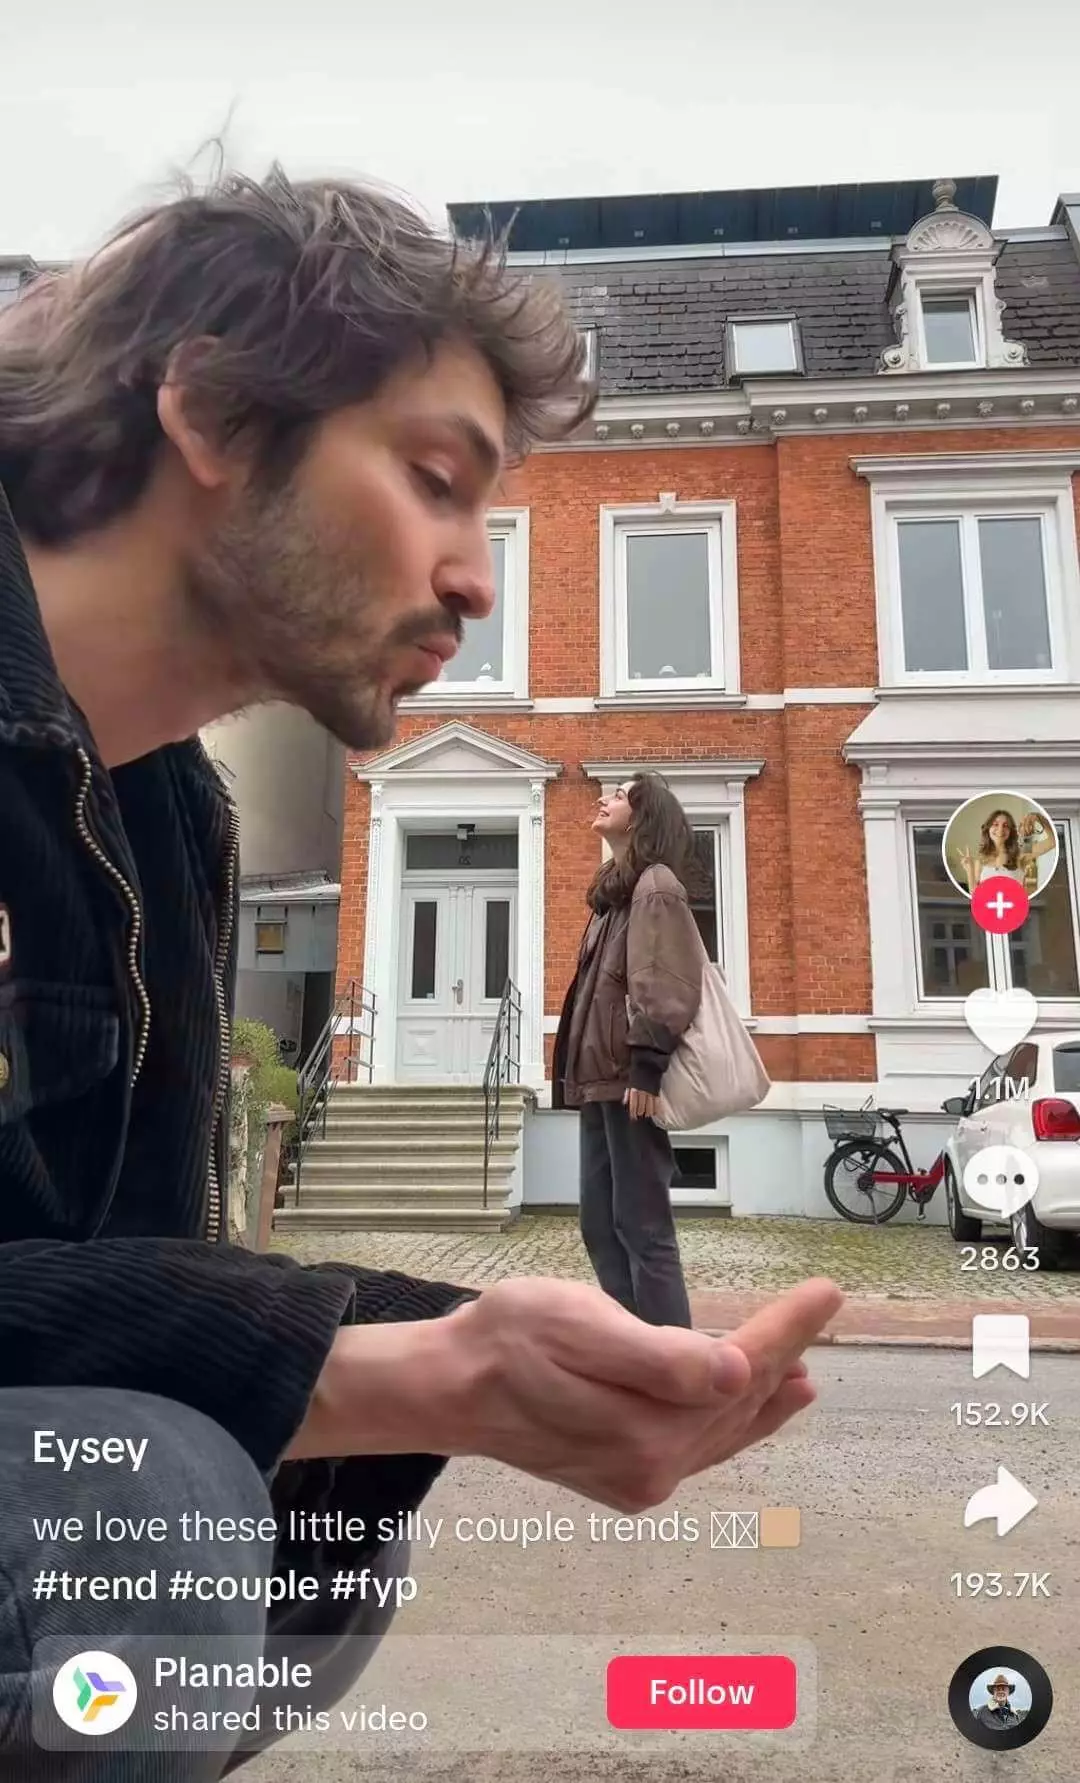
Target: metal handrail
503	1066
316	1081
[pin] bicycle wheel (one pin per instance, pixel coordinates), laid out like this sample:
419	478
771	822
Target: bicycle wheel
850	1185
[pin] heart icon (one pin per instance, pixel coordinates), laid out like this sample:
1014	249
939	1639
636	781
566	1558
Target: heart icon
1001	1019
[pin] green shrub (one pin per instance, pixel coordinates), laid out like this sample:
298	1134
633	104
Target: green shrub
270	1080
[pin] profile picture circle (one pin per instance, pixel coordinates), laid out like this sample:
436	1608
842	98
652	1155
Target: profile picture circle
1000	1699
1000	835
94	1693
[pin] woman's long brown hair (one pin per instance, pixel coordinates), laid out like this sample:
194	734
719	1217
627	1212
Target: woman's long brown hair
988	847
660	835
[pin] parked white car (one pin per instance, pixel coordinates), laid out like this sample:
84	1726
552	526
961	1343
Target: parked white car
1028	1098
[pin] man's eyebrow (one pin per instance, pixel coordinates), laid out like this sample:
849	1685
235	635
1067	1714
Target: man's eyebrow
479	442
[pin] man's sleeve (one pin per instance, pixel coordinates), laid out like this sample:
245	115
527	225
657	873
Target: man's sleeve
238	1335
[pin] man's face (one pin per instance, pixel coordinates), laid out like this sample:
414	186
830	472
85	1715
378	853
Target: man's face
1001	1695
349	587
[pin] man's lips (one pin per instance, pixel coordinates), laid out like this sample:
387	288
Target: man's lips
437	655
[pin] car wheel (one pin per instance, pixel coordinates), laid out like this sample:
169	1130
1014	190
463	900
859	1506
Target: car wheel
1029	1234
964	1229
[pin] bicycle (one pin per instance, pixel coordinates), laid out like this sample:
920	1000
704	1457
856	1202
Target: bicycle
865	1165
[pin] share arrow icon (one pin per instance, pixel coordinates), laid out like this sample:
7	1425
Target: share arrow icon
1007	1503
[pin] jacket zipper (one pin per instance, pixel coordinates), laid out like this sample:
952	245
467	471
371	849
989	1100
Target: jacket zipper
225	929
135	929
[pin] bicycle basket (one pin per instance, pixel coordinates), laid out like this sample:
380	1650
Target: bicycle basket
850	1123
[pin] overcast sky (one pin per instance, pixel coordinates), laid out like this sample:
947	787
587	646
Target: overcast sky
469	100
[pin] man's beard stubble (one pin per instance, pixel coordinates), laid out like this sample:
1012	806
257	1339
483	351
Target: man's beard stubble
283	601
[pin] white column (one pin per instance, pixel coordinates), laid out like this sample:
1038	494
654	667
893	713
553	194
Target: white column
530	971
374	878
739	929
381	942
890	908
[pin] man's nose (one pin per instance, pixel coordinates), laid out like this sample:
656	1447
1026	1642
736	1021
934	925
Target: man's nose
469	583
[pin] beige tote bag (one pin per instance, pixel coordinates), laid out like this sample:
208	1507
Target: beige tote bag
715	1069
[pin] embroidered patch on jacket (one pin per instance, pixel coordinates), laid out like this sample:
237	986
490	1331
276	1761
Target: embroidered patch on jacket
5	936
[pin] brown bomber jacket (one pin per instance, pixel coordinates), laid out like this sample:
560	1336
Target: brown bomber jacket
636	991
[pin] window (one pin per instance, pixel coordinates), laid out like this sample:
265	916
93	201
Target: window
269	929
591	368
956	957
424	949
978	579
670	608
429	851
706	896
950	330
953	951
496	947
1043	954
695	1167
973	594
988	1089
1067	1067
492	662
1021	1069
757	345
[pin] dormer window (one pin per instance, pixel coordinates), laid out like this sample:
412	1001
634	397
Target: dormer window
592	356
758	346
951	329
944	303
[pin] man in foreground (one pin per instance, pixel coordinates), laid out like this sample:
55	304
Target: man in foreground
247	454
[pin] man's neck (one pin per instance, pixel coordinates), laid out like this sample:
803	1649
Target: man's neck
123	642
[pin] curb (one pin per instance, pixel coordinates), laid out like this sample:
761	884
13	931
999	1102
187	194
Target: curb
1063	1346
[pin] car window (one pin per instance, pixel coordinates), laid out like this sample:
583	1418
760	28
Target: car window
988	1084
1022	1069
1067	1068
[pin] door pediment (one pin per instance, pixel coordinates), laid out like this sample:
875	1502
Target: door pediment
456	751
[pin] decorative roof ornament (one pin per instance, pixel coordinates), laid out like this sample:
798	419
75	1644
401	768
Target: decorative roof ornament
947	254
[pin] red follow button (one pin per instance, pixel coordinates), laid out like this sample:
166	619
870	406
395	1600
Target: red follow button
675	1692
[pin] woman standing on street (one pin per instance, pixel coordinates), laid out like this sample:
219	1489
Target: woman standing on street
636	991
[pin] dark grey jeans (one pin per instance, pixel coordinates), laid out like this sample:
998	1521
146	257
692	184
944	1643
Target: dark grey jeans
190	1464
626	1218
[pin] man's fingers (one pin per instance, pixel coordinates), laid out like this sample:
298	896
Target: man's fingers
777	1335
669	1364
786	1403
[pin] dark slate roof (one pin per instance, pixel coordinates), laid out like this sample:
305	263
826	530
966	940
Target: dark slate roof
661	322
1039	282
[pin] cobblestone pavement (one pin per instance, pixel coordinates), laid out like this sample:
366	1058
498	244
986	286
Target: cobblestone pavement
719	1255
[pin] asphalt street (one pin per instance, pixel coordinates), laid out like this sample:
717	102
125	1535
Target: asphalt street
505	1651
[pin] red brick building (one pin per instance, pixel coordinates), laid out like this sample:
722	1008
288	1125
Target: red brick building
815	560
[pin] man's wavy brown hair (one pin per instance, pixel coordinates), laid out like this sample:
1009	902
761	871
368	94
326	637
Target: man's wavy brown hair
301	298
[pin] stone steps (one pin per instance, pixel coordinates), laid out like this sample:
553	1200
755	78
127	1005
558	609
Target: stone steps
407	1155
418	1216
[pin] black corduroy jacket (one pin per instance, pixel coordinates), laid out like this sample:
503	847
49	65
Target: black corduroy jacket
118	912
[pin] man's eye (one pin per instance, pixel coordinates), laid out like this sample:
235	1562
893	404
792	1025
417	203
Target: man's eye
434	484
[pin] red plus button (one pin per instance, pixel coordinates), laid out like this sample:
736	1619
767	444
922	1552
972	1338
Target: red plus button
675	1692
999	904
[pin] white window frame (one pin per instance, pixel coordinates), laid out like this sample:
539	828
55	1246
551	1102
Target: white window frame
512	525
592	355
998	951
975	298
617	524
720	830
734	323
974	487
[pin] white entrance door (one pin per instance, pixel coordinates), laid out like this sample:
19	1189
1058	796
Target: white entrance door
458	939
